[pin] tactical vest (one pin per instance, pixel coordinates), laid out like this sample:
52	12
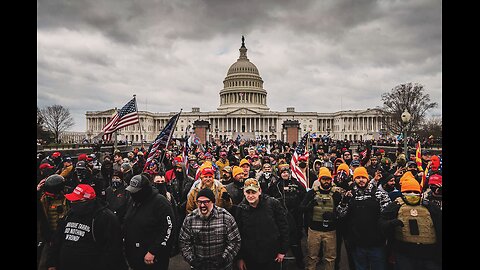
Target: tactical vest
324	204
419	213
55	209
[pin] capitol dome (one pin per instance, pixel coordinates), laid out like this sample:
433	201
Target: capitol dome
243	86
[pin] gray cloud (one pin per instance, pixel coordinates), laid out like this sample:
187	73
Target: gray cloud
94	55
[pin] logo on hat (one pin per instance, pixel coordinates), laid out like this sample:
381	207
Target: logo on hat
251	184
82	191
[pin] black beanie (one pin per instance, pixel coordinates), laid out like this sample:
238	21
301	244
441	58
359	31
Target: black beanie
206	192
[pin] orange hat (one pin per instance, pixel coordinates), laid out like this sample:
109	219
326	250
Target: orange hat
406	175
344	167
237	170
410	184
360	171
324	171
244	161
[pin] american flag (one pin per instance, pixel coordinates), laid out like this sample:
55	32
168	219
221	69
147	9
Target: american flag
127	116
296	171
162	138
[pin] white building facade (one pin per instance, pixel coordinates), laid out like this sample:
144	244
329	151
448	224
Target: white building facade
243	111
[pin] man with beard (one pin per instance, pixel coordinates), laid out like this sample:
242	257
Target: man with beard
222	161
89	237
387	183
148	226
374	166
235	189
263	225
209	237
319	206
226	175
222	198
361	207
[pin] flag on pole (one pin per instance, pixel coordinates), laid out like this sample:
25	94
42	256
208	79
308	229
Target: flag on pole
418	157
162	138
128	115
299	151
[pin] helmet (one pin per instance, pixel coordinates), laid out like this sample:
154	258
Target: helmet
54	184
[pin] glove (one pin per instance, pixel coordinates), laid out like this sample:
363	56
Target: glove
346	199
328	216
225	196
395	222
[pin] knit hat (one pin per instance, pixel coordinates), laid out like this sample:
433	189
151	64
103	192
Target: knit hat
410	184
117	173
406	175
244	161
324	172
386	178
283	167
237	170
344	167
360	171
206	192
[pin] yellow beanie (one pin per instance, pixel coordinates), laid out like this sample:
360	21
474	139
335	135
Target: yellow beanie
244	161
360	171
324	171
344	167
410	184
236	170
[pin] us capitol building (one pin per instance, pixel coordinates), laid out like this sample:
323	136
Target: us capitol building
243	111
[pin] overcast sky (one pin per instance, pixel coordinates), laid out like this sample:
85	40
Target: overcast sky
316	56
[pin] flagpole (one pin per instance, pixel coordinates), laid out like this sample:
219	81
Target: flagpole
170	136
115	136
308	161
138	117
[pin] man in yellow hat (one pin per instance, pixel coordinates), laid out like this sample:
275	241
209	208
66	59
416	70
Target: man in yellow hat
361	207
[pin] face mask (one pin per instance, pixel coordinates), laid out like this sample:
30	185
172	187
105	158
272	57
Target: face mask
162	187
116	183
302	165
411	198
142	194
267	175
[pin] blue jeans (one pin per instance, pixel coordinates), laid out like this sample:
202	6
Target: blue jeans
409	263
366	258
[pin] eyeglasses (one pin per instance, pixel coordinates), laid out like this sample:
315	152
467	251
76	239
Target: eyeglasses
205	202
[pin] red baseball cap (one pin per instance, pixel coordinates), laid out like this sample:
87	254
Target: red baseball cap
45	166
82	157
56	154
304	158
208	171
80	192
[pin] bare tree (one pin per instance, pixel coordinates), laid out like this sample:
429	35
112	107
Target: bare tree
408	96
56	119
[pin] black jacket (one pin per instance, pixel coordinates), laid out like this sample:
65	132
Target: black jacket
264	230
148	228
88	239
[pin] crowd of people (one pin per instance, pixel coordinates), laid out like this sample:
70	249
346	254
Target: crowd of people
237	205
